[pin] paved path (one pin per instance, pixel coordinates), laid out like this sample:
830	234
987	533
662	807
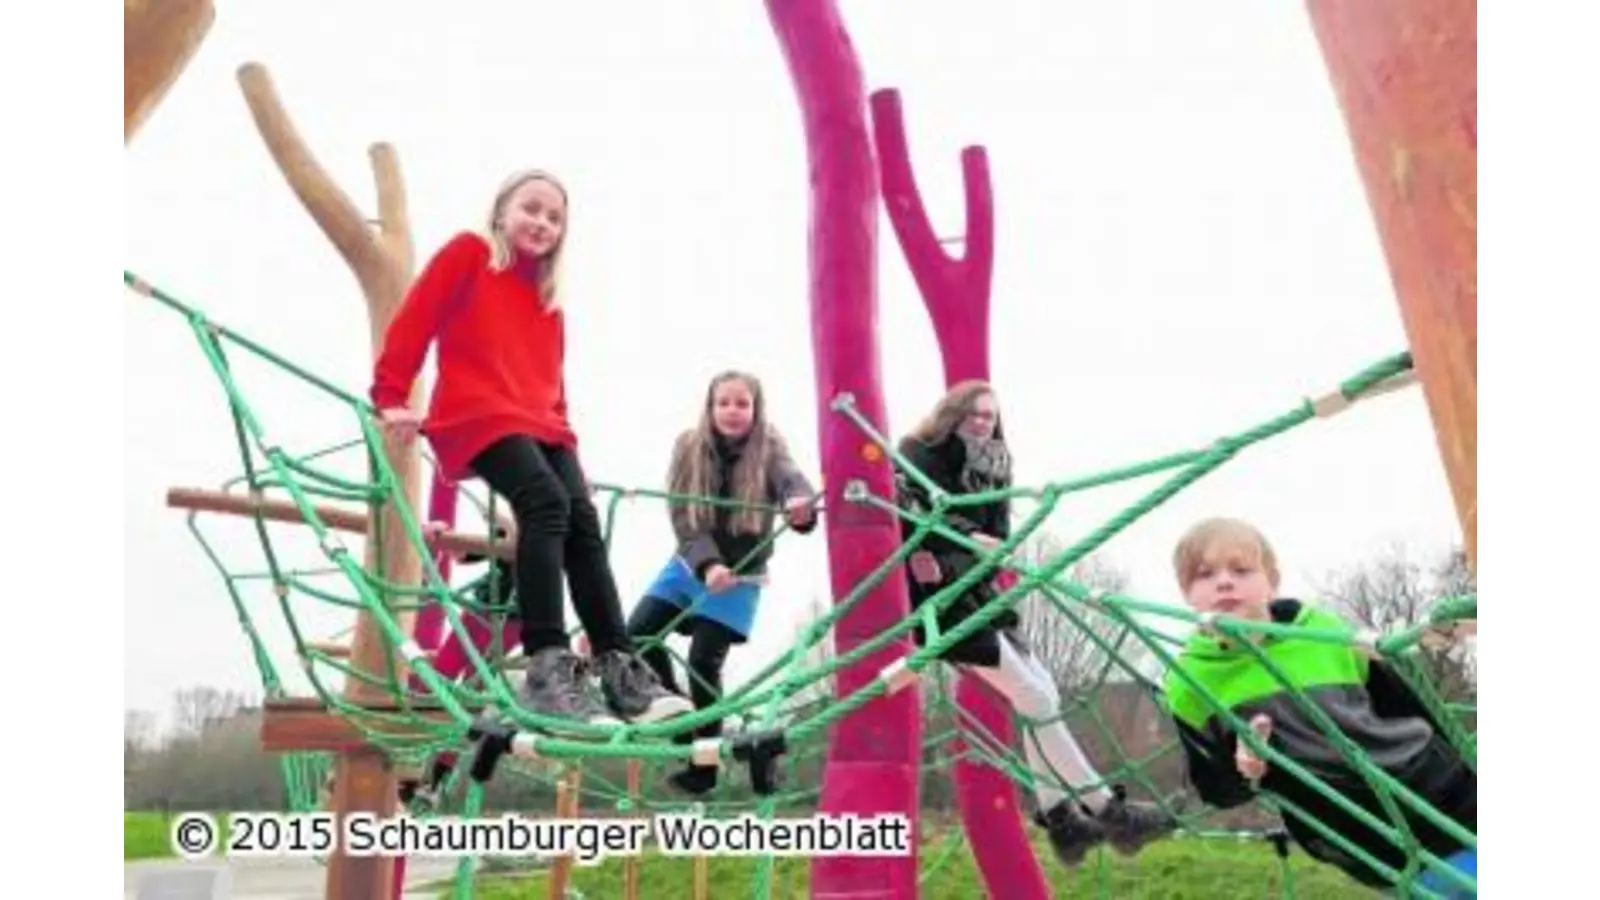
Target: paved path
279	878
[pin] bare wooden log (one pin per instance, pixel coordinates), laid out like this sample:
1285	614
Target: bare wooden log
330	207
159	38
337	518
304	723
394	234
382	264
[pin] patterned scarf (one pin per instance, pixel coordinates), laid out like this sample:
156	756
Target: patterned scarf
988	464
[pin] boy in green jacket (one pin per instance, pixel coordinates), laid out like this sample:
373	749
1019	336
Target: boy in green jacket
1226	567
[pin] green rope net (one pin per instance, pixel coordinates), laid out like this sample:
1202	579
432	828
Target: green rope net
429	718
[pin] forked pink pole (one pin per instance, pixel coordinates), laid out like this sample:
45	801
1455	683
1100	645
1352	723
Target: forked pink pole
874	753
956	294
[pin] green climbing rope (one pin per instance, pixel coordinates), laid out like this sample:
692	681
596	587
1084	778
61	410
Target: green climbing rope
794	692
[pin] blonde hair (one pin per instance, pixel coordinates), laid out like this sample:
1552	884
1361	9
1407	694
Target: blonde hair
501	253
694	468
1234	534
952	409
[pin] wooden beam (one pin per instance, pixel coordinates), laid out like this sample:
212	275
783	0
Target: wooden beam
305	723
330	648
337	518
1406	76
630	863
568	802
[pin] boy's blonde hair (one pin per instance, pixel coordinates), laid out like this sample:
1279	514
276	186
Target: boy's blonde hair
1204	536
500	251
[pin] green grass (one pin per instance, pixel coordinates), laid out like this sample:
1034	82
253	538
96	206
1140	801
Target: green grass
148	835
1179	869
145	836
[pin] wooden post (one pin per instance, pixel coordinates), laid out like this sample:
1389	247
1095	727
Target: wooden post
630	866
567	804
558	873
702	878
382	263
159	37
1406	76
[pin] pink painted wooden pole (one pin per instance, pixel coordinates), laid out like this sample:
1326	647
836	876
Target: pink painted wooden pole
874	753
428	629
450	656
956	294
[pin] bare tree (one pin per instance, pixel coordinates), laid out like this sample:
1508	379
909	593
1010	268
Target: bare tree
818	655
1453	575
138	738
198	708
138	729
1078	648
220	767
809	700
1395	591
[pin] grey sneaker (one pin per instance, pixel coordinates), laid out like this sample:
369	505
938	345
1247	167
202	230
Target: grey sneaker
1072	834
633	691
555	686
1129	826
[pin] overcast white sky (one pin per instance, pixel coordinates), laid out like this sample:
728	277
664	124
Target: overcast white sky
1183	250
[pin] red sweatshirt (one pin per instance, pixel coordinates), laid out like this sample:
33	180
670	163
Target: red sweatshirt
500	355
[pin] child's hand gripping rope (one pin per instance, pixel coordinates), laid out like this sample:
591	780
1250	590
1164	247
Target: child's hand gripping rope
401	423
1251	766
800	511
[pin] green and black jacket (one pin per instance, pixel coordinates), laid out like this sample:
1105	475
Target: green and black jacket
1364	697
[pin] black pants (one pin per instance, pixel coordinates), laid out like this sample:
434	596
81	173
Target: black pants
1439	777
708	650
558	533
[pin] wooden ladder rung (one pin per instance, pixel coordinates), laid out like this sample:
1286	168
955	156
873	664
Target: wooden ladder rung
330	648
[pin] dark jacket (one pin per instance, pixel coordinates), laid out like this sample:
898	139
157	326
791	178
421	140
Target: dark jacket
945	464
704	547
1364	697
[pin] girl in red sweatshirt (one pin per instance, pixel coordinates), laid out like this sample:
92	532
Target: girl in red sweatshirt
499	412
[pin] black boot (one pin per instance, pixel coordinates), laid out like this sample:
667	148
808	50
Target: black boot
1072	834
695	780
1129	826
